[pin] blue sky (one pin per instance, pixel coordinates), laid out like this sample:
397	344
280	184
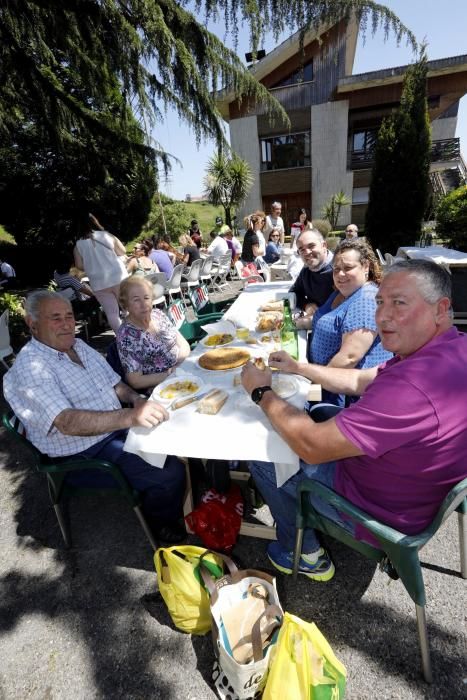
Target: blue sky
442	24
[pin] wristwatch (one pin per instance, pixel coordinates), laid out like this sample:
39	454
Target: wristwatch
257	394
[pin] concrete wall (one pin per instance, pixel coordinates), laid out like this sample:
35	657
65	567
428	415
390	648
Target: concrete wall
329	126
443	128
245	142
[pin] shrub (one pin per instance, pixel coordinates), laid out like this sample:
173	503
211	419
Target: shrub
323	226
451	217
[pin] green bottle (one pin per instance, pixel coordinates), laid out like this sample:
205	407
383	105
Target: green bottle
289	333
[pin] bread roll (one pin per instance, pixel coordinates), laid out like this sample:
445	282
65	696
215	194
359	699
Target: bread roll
273	306
213	402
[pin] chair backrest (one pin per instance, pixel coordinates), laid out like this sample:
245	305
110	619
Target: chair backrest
14	426
174	281
246	273
4	331
194	271
225	260
380	257
199	297
207	266
113	358
176	313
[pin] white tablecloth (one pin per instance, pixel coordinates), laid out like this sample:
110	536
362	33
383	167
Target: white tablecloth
240	431
436	253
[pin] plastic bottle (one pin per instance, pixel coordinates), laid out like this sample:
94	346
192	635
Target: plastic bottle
289	333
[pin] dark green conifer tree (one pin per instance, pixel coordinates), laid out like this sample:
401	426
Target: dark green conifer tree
400	184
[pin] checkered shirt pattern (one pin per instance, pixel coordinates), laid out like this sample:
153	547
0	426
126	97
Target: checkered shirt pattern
44	382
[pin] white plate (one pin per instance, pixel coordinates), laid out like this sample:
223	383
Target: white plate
175	379
284	386
217	345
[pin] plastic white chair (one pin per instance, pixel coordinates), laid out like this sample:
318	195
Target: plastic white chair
205	276
173	285
159	281
380	257
219	278
192	278
247	278
5	348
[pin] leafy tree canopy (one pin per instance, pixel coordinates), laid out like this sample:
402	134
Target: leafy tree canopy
451	218
62	58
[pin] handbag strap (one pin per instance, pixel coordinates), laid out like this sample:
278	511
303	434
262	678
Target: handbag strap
211	583
272	612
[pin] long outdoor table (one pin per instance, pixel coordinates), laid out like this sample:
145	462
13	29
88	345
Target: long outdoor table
438	254
240	431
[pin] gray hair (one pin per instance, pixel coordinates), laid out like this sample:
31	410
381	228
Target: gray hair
433	281
35	299
312	230
276	204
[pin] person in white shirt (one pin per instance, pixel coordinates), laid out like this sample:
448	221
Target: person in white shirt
68	398
275	222
218	246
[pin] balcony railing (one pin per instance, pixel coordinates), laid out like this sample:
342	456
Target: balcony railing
444	150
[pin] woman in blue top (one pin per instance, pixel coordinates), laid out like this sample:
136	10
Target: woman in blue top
344	332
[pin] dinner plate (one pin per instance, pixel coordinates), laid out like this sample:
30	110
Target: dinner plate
217	345
285	387
181	388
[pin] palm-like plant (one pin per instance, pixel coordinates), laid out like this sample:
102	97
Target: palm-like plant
227	182
332	208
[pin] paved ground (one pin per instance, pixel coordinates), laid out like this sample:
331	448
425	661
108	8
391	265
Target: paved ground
89	623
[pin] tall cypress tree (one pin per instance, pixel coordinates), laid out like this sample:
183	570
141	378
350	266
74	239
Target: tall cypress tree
400	184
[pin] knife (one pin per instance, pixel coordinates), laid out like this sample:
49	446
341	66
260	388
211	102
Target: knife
180	403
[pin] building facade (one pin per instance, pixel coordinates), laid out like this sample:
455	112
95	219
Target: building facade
335	117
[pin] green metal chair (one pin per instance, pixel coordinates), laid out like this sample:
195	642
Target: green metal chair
202	305
191	330
57	470
397	554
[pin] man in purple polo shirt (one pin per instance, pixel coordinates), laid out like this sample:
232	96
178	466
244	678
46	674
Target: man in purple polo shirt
398	451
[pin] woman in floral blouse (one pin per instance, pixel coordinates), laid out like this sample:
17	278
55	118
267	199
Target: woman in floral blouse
148	345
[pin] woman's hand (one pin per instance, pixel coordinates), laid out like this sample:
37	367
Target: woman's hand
282	360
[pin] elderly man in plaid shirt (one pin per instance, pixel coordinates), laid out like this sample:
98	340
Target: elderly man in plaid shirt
69	400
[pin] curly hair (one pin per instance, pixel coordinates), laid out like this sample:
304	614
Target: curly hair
365	253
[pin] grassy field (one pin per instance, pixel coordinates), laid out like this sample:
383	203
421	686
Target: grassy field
204	213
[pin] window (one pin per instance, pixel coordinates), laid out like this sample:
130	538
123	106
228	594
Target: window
290	151
364	141
304	74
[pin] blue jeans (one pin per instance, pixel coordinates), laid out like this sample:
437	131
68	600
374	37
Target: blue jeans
161	489
283	501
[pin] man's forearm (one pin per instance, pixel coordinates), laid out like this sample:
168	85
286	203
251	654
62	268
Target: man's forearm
126	394
351	382
82	423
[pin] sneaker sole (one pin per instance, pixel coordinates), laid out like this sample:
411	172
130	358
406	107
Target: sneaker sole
318	576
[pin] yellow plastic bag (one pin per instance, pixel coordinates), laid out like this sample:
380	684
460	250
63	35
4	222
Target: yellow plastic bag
303	665
181	588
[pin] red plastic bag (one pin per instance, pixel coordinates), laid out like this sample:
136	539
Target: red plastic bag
218	518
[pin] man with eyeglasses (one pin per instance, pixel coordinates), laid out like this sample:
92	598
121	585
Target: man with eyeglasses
315	282
351	231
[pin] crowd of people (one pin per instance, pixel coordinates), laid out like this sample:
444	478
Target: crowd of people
383	348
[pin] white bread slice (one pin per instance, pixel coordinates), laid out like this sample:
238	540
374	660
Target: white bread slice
213	402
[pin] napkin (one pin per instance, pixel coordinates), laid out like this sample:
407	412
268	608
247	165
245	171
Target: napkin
220	327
